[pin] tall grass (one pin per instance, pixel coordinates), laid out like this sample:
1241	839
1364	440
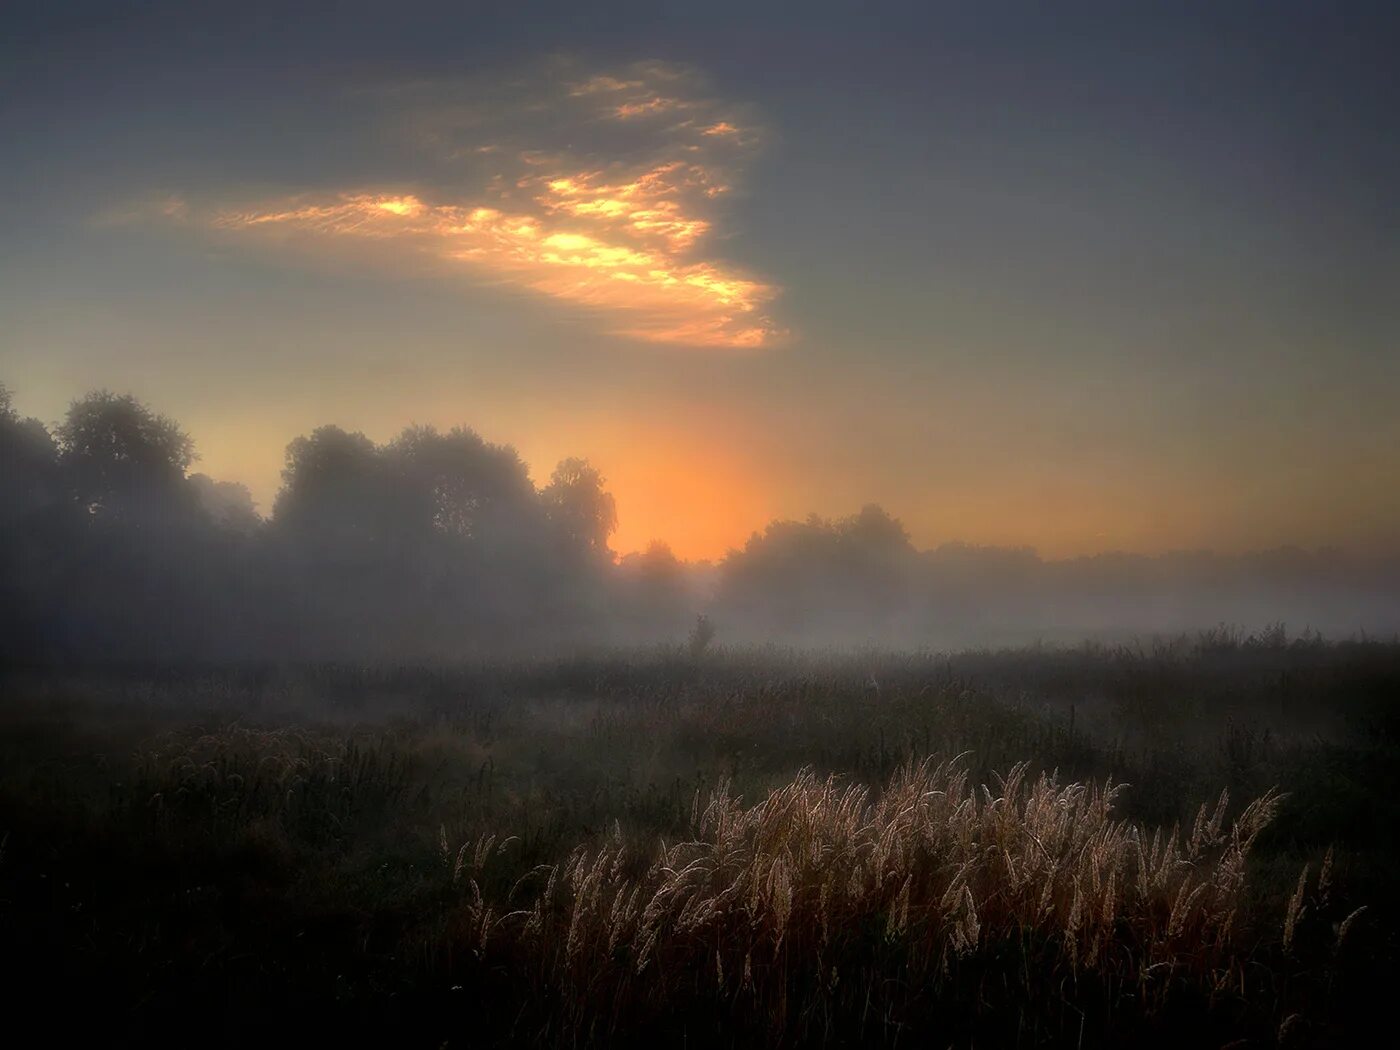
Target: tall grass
732	848
799	910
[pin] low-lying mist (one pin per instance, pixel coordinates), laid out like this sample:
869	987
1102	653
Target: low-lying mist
437	546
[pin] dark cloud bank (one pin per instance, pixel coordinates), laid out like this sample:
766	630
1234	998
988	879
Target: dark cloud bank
438	546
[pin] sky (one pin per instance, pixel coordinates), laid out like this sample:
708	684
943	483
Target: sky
1080	277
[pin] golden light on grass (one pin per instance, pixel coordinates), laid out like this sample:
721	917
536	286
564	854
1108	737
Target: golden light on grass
936	868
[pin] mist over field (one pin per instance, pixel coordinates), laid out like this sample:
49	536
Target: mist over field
438	546
471	753
567	525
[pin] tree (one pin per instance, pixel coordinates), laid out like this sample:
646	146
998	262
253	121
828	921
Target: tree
657	565
229	504
333	487
874	535
460	485
657	591
839	579
580	507
121	458
29	477
36	532
701	635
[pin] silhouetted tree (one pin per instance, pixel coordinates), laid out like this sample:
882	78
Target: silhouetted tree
333	487
29	472
580	507
37	532
121	458
875	536
462	485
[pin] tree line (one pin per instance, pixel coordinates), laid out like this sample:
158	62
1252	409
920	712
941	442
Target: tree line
428	544
438	545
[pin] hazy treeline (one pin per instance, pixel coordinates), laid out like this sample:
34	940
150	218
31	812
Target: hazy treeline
861	578
431	544
439	545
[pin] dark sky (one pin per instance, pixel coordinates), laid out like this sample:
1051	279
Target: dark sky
1073	276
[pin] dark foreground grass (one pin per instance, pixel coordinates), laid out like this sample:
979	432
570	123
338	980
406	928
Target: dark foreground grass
469	855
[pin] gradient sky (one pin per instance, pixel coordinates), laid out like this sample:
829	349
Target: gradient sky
1082	277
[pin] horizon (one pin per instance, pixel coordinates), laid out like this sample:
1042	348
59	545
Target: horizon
264	509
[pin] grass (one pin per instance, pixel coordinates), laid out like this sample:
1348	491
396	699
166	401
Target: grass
1025	847
767	910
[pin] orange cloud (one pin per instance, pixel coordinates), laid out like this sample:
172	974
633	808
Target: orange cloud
622	234
647	107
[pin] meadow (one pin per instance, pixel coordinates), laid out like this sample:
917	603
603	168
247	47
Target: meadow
1186	841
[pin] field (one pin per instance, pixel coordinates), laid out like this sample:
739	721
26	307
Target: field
1185	842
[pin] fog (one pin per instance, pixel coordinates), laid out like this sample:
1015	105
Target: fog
437	546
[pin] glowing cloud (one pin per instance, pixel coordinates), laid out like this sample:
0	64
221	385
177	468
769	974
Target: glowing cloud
619	230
